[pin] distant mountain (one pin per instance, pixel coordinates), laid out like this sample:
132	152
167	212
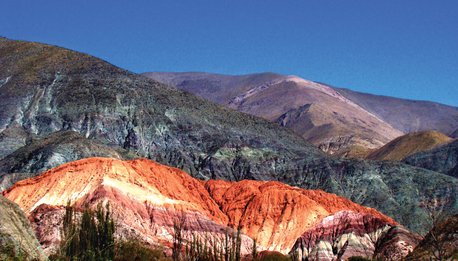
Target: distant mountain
17	239
315	111
411	143
407	115
46	89
339	121
443	159
145	197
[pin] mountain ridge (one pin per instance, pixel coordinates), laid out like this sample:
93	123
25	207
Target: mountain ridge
272	96
144	196
51	89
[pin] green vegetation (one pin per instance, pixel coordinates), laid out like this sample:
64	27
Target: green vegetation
133	250
273	256
90	238
10	253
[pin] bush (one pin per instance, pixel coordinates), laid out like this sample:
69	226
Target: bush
272	256
133	250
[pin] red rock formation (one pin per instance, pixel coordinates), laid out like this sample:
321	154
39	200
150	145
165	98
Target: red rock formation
145	196
277	214
348	234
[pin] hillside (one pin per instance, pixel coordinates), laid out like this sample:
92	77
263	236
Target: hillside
146	196
46	89
17	240
404	146
314	111
51	151
407	115
443	159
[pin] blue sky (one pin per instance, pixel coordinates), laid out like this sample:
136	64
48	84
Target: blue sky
398	48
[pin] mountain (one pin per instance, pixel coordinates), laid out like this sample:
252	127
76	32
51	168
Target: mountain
17	240
47	89
407	115
443	159
441	243
409	144
315	111
146	196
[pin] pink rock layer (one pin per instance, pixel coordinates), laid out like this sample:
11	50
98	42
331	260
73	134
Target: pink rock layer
146	197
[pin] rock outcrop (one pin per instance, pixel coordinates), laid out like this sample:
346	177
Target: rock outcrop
404	146
276	214
146	197
17	239
47	89
346	234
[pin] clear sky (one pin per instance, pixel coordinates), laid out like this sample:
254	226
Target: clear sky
393	47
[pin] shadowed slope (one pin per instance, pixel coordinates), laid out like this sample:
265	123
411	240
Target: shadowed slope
443	159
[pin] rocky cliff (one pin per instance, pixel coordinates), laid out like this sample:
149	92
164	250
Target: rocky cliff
45	89
146	197
17	239
346	234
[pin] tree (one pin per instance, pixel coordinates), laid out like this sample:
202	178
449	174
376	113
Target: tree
436	214
254	250
92	238
179	222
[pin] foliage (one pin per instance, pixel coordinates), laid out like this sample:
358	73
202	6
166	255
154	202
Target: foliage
90	238
273	256
132	250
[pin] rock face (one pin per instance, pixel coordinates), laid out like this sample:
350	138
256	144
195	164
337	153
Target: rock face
17	239
409	144
45	89
146	196
49	152
315	111
441	243
443	159
346	234
276	214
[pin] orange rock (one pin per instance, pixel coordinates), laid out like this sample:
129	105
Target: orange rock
143	193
